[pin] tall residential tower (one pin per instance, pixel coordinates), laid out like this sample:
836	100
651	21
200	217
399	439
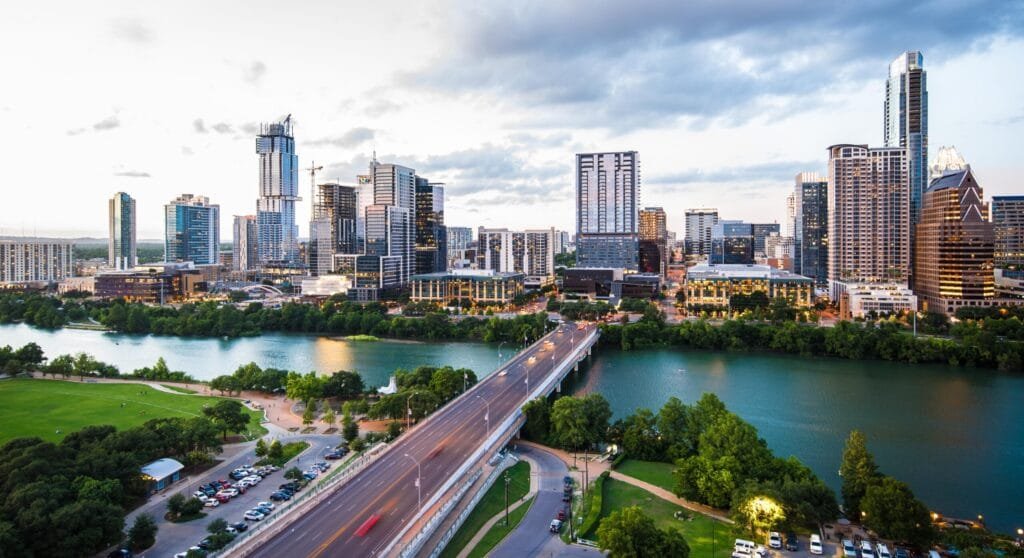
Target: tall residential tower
279	190
607	203
192	230
121	246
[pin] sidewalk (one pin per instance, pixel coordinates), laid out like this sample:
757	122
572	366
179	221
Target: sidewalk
668	496
534	484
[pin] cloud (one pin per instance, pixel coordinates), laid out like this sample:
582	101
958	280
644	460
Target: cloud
133	174
380	106
254	72
351	138
223	128
685	63
186	150
199	126
131	30
75	131
249	128
108	123
772	171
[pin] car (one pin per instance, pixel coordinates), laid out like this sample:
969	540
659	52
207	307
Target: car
815	546
791	542
230	529
555	526
120	553
280	496
241	526
323	465
253	515
264	505
289	486
334	455
309	476
222	498
901	553
775	539
211	503
230	491
883	551
264	511
866	550
566	497
561	515
199	494
205	544
848	548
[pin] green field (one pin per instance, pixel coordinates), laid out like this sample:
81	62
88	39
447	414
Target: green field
489	506
499	530
42	407
698	531
654	472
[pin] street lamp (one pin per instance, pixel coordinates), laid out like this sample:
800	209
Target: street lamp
408	412
419	485
487	415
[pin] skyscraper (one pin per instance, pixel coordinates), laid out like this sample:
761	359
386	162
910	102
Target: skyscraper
760	232
653	241
531	252
699	223
607	201
810	230
906	121
191	230
333	227
954	245
868	216
389	227
279	190
948	159
431	235
243	247
29	260
732	242
121	245
1008	222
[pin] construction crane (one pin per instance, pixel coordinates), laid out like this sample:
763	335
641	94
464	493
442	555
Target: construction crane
312	186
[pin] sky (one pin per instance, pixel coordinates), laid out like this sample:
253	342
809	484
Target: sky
725	101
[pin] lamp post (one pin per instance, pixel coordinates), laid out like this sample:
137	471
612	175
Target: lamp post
507	480
408	412
465	380
499	350
419	485
487	415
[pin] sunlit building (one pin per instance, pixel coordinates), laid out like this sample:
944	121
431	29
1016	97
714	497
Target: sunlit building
192	230
279	190
467	288
709	287
121	245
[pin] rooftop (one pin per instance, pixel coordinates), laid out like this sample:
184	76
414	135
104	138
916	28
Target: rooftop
162	468
739	271
469	274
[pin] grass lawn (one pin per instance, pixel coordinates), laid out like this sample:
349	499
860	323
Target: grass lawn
288	452
41	407
698	530
657	473
499	530
489	506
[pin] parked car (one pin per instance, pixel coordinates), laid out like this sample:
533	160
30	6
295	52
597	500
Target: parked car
211	503
222	498
848	548
775	539
120	553
901	553
555	526
334	455
561	515
792	544
264	505
883	551
281	496
230	491
815	546
241	526
866	550
253	515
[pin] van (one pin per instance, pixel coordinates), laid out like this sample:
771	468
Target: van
744	547
883	551
866	550
816	547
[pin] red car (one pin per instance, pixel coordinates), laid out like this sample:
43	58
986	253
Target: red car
222	498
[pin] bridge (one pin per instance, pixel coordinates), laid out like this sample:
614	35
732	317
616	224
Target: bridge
395	503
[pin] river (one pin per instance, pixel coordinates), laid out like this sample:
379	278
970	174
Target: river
955	435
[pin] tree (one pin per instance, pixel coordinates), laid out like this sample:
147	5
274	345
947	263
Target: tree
63	365
225	384
142	534
672	422
328	417
349	428
538	420
569	423
261	448
629	533
309	414
394	429
192	506
293	474
31	355
640	438
356	445
890	509
175	504
858	470
218	525
276	450
229	416
304	387
760	512
597	412
344	385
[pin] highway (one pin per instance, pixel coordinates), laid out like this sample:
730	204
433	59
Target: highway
441	444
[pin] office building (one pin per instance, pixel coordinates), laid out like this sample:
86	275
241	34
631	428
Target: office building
654	254
906	121
710	287
947	160
391	219
243	246
530	252
460	240
192	230
868	216
955	240
760	232
699	223
35	260
607	201
466	288
562	242
1008	225
732	242
121	245
278	240
431	234
332	229
810	227
860	300
780	252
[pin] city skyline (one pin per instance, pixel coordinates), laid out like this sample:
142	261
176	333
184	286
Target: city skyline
494	134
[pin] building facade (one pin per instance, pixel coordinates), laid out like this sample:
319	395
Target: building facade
244	243
732	242
278	239
906	121
868	216
431	234
191	230
467	288
332	229
391	218
699	224
955	241
530	252
710	287
607	203
1008	225
35	260
654	254
810	227
122	245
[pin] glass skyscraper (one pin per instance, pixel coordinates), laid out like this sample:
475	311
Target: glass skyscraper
431	234
279	190
607	207
121	246
810	229
192	230
243	251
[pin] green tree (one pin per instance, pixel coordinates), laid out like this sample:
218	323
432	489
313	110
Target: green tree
538	420
261	448
356	445
672	425
276	450
175	504
858	470
225	384
629	533
293	474
890	509
328	417
344	385
349	428
569	423
597	412
304	387
394	429
760	512
192	506
142	534
640	437
218	525
309	414
229	415
63	365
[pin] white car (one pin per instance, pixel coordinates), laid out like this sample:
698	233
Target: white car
848	549
866	550
815	545
229	492
775	539
883	551
267	505
184	554
211	503
253	515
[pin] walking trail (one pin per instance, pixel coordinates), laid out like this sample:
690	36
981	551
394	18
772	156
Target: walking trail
490	522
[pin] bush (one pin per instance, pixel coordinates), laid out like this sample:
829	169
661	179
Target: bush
142	535
594	513
618	460
356	445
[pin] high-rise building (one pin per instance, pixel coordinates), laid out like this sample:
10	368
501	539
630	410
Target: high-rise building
531	252
562	241
906	121
192	230
955	243
868	216
947	160
391	218
760	231
1008	224
459	240
653	257
431	234
791	214
279	190
810	227
699	223
121	246
243	246
607	201
732	242
30	260
332	229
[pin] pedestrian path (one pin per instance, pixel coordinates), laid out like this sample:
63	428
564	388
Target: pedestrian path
501	515
668	496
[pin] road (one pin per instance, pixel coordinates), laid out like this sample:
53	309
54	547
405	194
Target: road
437	447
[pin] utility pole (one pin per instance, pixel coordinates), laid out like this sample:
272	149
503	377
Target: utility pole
507	480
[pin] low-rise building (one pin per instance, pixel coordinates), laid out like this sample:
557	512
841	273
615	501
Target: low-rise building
162	473
462	287
326	285
857	300
77	284
709	287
